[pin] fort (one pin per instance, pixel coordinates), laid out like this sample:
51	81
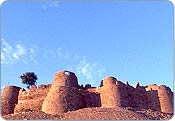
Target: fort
65	94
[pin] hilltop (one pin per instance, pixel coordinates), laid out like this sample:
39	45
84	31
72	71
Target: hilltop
66	99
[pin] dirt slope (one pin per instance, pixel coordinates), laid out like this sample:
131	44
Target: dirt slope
94	113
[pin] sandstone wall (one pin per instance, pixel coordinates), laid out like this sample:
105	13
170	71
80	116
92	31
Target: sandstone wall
152	97
124	94
92	99
139	99
31	99
66	95
9	99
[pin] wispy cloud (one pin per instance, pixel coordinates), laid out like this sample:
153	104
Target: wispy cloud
52	4
14	53
2	1
86	70
19	52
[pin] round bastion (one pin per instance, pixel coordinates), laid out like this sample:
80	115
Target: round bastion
166	99
65	78
9	99
110	95
62	94
109	81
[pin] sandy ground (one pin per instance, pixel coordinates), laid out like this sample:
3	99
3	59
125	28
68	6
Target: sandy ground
93	114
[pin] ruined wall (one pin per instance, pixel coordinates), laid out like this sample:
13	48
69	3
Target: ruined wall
9	98
31	99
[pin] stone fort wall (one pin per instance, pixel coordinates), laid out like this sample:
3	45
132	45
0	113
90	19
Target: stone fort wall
31	99
64	94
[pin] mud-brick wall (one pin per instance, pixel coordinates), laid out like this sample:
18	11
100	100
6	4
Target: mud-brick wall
32	99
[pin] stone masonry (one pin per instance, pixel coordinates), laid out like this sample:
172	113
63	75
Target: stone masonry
65	94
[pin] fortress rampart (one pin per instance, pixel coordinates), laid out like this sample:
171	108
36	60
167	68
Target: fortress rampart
32	99
65	94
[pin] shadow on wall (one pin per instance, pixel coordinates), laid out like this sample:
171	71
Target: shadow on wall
153	100
92	99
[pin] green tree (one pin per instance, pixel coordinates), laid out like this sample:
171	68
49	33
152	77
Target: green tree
29	78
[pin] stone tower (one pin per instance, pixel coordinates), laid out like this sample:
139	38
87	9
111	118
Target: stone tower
160	98
9	99
110	96
63	95
166	99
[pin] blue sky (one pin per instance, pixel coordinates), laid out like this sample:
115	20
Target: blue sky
132	41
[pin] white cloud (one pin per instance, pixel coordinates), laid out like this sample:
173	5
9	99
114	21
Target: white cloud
50	54
7	48
84	69
1	1
14	53
19	52
6	51
32	55
58	51
52	4
89	71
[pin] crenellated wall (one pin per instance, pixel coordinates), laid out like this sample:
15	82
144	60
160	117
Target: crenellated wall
31	99
64	94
